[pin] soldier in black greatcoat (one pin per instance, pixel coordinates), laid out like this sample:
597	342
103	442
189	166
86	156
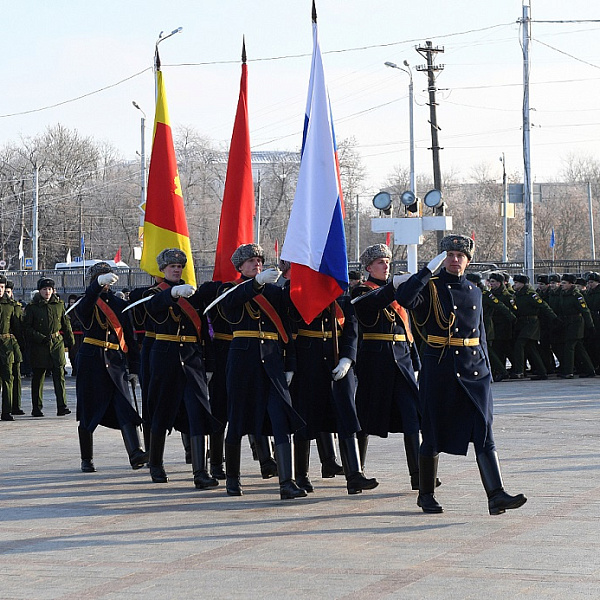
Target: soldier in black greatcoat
106	362
323	390
455	379
260	367
387	398
178	386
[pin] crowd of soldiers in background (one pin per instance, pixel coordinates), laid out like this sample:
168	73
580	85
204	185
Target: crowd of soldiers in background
549	330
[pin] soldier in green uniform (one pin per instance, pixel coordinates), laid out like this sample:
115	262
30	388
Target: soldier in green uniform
545	347
575	316
503	324
552	299
17	354
592	297
48	331
491	305
531	309
10	328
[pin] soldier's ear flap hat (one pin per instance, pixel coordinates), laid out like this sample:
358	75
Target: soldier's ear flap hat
45	282
97	269
496	277
569	277
458	243
593	276
3	279
474	277
554	278
521	278
373	253
543	279
10	285
171	256
246	251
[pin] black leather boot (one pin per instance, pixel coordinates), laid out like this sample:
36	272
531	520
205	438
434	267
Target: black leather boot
185	440
268	465
216	456
86	447
412	443
157	451
498	500
137	457
356	481
363	442
287	486
202	480
326	448
427	478
232	469
301	462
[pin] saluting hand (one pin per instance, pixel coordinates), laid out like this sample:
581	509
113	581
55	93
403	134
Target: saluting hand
435	263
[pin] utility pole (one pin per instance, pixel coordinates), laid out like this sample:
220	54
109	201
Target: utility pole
428	52
527	186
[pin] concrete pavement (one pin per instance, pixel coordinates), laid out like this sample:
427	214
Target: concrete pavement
115	535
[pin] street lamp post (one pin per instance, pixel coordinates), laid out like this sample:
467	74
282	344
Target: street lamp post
504	211
142	156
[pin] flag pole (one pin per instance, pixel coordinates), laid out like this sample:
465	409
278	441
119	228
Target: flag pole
334	334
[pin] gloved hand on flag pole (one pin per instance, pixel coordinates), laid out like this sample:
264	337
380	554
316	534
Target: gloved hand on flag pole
268	276
107	279
342	369
184	290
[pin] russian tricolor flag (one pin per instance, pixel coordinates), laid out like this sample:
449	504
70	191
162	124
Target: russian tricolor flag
315	242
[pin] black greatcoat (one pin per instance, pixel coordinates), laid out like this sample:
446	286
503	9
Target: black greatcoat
256	367
178	392
102	388
456	399
324	404
387	397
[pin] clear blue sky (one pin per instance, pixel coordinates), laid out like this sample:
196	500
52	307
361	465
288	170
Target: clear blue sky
58	50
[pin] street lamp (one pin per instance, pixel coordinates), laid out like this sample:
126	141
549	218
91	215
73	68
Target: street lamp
408	71
142	155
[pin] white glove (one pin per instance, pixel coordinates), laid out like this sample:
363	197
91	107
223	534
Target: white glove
288	375
107	279
435	263
342	369
398	279
209	375
182	291
268	276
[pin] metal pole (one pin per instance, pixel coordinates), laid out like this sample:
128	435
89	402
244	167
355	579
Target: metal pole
34	225
592	242
357	252
143	160
258	203
504	212
527	186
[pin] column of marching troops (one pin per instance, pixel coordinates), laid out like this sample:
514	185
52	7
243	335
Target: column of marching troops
252	367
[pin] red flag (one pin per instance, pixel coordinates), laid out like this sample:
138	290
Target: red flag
237	213
277	250
117	258
388	238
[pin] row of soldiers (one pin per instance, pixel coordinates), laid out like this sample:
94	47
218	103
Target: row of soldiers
231	359
553	328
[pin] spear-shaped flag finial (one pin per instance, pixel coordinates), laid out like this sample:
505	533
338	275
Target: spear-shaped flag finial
314	12
244	49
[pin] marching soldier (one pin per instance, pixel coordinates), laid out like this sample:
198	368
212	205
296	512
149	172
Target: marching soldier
455	378
178	387
387	395
18	347
260	368
531	311
48	331
575	316
10	329
545	345
323	390
107	360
